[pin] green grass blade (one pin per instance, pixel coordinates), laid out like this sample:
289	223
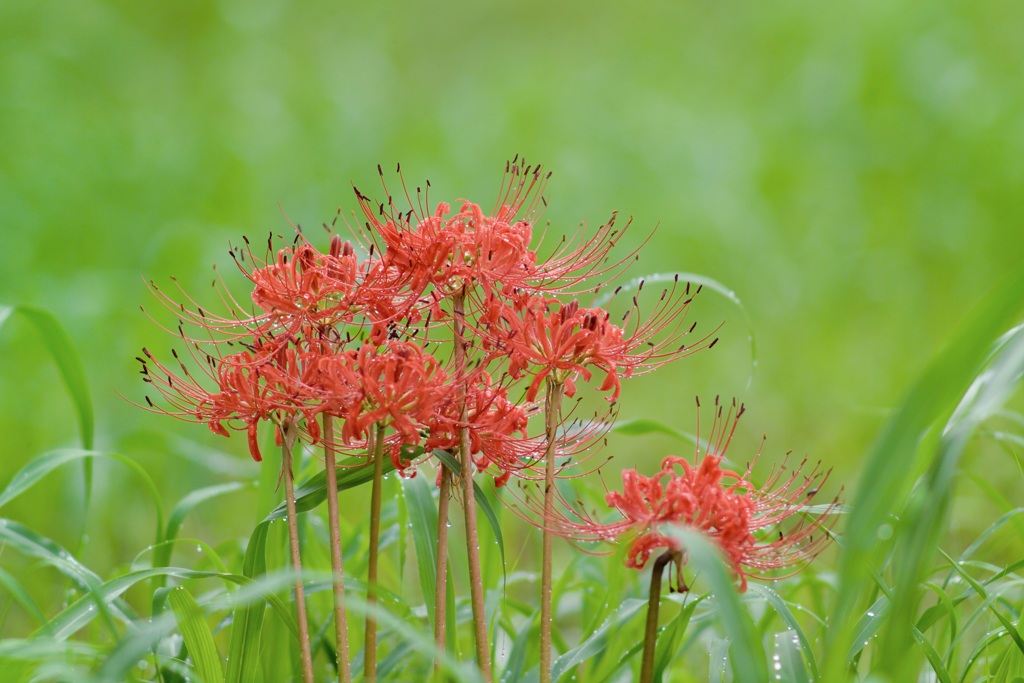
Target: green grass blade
1011	629
668	639
352	472
868	626
74	617
516	664
22	597
31	544
934	658
244	645
68	362
890	468
196	634
746	650
788	659
922	520
423	517
782	609
162	554
42	465
642	426
596	642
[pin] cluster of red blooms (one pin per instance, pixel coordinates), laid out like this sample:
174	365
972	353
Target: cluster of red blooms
362	333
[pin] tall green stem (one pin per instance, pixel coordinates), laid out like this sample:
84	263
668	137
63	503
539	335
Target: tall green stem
306	657
441	566
370	658
653	604
552	417
476	585
340	620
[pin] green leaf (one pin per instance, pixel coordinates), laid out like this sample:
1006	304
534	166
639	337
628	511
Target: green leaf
747	652
1010	627
196	634
923	518
21	596
782	609
668	638
31	544
423	517
162	555
596	642
892	464
639	427
39	467
68	362
788	660
244	645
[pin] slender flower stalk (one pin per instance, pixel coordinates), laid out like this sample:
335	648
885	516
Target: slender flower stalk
370	658
441	565
483	657
653	603
340	620
287	442
552	418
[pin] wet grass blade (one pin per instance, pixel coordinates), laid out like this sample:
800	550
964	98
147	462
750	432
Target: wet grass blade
642	426
196	634
423	517
162	554
788	659
669	637
892	464
596	642
782	609
72	373
22	597
39	467
746	650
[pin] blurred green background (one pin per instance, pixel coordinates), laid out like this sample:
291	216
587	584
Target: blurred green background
852	173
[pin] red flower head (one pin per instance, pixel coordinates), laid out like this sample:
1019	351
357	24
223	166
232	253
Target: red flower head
549	339
269	381
722	504
492	420
397	385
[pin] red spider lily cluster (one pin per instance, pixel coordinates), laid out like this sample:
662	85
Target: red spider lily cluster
434	330
358	332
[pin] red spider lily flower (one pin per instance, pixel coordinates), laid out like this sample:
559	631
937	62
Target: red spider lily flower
492	421
546	338
268	382
723	504
473	249
398	385
305	284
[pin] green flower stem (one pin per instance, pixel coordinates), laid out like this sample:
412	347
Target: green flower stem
654	602
552	417
287	442
441	566
483	656
340	620
370	658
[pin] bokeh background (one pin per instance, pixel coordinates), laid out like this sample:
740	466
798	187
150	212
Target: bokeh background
853	174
